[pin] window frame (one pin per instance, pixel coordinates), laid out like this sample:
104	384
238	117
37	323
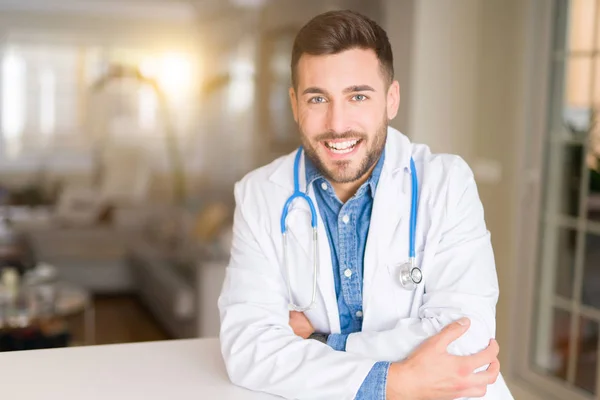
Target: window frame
540	33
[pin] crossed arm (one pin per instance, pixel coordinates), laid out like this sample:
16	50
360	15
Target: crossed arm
263	353
460	282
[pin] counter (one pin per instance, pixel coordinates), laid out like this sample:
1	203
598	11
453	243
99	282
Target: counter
172	370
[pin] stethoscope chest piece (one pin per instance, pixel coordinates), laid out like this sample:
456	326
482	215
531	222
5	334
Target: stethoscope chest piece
416	275
410	275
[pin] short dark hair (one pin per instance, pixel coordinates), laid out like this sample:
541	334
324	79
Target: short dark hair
335	31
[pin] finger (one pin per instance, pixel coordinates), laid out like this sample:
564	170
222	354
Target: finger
484	357
474	392
452	331
486	377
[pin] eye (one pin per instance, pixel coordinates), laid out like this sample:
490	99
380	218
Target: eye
359	97
317	99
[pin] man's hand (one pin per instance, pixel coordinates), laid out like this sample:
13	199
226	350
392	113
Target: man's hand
432	373
300	324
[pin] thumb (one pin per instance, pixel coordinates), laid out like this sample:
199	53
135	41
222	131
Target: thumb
453	331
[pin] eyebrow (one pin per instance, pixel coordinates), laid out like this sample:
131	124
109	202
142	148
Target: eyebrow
349	89
359	88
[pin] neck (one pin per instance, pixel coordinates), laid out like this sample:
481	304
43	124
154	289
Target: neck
345	191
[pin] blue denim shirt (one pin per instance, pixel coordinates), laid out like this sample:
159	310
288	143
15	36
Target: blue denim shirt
347	227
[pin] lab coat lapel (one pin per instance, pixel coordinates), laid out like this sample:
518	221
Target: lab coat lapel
326	283
390	214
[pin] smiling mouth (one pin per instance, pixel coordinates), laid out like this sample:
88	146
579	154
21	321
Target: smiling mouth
342	147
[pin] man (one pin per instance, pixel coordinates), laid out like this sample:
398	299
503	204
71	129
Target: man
364	335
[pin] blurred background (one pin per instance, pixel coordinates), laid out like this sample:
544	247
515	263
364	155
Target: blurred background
125	123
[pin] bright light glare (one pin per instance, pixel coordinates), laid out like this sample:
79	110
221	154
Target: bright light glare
13	96
149	68
172	71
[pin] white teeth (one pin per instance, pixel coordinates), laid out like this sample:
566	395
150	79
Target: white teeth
342	147
341	151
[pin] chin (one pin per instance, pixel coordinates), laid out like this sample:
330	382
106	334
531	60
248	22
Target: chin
343	171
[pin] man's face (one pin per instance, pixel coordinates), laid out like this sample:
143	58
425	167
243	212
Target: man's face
342	106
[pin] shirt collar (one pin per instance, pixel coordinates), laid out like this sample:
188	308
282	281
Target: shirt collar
374	178
312	172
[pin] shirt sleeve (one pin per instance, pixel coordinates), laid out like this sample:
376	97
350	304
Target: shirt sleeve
337	341
374	385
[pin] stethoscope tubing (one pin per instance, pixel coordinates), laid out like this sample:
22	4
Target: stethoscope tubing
313	222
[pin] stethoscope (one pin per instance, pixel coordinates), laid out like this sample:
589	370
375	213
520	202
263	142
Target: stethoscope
410	274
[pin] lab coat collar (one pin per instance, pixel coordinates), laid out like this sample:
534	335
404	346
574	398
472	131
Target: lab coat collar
397	158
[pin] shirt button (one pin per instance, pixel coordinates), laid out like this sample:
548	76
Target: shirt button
359	314
324	186
346	219
348	273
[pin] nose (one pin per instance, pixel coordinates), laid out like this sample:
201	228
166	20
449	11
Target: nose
337	118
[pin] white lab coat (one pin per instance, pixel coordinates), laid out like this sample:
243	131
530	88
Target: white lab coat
453	250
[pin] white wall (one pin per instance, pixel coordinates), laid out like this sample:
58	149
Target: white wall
445	64
398	21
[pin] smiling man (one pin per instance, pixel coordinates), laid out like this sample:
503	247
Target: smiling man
392	293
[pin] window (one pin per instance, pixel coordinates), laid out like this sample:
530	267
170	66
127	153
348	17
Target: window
13	99
40	97
563	331
52	106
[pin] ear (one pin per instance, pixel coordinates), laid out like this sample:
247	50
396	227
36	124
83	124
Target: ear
294	103
393	100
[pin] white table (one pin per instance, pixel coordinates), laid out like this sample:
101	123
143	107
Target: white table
172	370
